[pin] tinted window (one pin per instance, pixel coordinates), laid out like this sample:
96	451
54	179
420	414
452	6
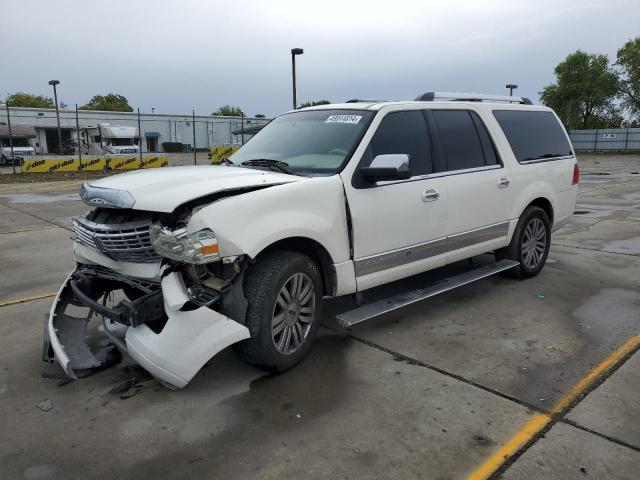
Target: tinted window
533	135
404	132
464	140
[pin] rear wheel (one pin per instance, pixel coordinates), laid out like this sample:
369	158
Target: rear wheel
284	295
530	243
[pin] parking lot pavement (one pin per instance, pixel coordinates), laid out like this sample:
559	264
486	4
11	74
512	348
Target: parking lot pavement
545	370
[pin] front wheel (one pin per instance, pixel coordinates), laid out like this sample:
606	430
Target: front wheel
284	294
530	243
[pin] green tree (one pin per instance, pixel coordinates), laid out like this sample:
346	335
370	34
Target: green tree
313	104
628	67
228	111
21	99
111	102
584	93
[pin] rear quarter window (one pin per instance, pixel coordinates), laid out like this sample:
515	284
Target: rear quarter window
533	135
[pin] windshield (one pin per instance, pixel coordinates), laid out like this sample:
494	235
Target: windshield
121	142
17	142
310	142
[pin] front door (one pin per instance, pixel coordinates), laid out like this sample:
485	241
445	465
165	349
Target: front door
397	225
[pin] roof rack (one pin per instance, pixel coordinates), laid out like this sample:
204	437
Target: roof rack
360	100
470	97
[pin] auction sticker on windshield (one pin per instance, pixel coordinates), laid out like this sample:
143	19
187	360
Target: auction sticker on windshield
343	119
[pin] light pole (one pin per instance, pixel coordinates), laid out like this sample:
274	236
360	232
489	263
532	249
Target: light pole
55	99
294	52
511	87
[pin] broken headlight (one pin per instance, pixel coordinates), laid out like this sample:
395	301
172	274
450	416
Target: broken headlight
198	247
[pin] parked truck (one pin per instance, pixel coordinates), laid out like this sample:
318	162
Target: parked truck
331	200
107	138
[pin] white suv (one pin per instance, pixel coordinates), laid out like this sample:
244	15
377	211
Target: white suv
182	262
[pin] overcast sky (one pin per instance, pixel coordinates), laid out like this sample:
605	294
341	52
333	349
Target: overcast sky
183	54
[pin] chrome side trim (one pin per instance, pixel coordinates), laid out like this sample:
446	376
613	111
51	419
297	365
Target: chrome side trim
439	175
106	197
414	253
543	160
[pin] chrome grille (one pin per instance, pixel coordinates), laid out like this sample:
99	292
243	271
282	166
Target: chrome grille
125	242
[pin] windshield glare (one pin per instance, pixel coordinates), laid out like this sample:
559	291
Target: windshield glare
311	142
121	142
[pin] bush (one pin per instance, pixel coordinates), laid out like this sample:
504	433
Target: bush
172	147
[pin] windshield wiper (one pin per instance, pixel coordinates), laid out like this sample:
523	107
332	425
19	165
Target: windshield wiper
276	165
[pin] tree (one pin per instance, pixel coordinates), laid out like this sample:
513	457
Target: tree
21	99
259	115
111	102
628	68
313	104
228	111
584	93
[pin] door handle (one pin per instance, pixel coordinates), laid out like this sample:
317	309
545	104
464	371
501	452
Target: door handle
430	195
503	182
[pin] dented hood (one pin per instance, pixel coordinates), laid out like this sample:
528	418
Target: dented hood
165	189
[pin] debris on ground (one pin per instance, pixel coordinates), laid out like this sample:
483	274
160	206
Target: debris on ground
132	386
540	295
46	405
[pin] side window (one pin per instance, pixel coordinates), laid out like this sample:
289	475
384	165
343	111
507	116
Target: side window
533	135
464	140
404	132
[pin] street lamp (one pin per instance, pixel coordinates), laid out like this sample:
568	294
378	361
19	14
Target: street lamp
294	52
511	87
55	99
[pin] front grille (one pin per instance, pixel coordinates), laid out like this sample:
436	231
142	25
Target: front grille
125	242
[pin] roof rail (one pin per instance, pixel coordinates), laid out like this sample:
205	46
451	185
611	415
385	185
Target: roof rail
470	97
360	100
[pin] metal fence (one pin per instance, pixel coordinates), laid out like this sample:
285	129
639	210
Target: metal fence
56	139
606	139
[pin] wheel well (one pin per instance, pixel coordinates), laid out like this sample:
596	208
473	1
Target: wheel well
544	204
313	250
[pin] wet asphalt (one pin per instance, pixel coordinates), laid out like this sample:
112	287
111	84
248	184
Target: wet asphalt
429	391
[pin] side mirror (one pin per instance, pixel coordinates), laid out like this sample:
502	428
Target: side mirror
387	167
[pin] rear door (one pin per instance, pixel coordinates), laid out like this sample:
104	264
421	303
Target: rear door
397	229
478	185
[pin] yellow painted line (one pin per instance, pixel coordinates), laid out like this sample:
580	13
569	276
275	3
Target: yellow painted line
540	420
30	229
14	301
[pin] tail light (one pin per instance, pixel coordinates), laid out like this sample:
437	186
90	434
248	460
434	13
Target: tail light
576	175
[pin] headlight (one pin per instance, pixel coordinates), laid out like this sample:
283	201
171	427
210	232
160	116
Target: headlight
198	247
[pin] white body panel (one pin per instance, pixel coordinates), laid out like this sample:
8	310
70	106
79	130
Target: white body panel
164	189
312	208
371	236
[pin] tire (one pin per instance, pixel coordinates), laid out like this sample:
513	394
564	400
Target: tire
529	245
266	286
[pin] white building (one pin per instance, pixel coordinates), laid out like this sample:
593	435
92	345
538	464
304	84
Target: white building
156	128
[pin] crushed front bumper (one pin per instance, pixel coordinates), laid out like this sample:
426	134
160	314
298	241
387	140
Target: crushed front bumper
173	353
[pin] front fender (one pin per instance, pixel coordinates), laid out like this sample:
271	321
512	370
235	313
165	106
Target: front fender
246	224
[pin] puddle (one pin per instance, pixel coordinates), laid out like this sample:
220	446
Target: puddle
44	198
629	245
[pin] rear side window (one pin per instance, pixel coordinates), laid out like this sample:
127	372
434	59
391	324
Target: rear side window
464	140
533	135
404	132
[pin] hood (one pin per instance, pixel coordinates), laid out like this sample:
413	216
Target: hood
165	189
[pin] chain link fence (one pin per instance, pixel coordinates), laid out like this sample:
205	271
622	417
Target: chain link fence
32	140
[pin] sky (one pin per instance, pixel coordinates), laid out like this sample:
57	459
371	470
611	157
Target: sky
180	55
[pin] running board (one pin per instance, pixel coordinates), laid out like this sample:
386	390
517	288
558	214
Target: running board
386	305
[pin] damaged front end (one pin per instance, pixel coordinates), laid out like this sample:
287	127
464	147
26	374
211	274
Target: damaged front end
170	317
